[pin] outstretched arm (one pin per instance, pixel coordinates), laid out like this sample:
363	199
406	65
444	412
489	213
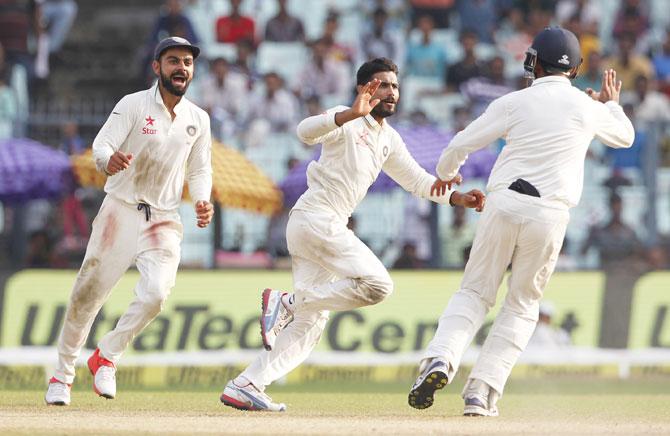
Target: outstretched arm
402	168
611	124
324	127
488	127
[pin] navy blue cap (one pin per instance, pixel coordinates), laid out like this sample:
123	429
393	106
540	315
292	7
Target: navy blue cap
558	47
175	41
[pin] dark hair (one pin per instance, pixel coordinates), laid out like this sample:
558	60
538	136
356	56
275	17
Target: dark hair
370	68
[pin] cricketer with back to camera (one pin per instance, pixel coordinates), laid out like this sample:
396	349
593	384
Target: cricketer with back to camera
536	179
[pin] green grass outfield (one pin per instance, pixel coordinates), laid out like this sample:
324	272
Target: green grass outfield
529	407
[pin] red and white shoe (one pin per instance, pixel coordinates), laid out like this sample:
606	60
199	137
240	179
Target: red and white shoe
104	375
58	393
248	397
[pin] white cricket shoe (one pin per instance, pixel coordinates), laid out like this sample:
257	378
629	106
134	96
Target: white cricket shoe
58	393
248	397
480	399
104	375
432	377
275	317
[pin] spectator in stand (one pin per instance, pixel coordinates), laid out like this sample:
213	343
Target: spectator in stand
592	77
661	62
395	9
72	210
336	50
632	18
457	239
245	61
616	180
71	143
408	258
624	260
59	16
18	20
466	68
172	22
323	76
380	42
482	90
628	64
479	16
284	27
650	105
616	241
588	38
224	96
235	27
275	106
588	11
513	36
427	57
630	157
440	10
9	111
39	251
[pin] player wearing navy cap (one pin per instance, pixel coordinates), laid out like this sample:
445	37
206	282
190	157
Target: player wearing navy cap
152	142
536	179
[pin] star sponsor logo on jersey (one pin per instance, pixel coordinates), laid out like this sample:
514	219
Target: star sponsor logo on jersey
564	60
147	130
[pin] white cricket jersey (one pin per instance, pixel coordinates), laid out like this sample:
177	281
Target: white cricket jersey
547	128
165	152
351	158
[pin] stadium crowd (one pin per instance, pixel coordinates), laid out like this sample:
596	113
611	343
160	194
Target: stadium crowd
268	64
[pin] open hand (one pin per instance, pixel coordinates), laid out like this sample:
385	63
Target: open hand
119	161
364	103
473	199
440	186
204	211
609	90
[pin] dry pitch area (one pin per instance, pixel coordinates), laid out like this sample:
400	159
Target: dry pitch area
529	407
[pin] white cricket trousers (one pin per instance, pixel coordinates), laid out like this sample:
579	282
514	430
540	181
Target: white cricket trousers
120	236
332	270
526	232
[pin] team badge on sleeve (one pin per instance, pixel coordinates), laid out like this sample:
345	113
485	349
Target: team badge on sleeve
191	130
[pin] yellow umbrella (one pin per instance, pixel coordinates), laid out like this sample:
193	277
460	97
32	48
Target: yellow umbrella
236	182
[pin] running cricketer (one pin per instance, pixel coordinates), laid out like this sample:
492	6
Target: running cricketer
151	142
537	178
332	268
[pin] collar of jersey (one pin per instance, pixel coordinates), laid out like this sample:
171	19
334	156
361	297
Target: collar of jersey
159	99
373	123
551	79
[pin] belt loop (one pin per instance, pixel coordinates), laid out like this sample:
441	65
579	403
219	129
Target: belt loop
147	210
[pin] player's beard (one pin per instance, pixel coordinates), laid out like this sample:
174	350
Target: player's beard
380	112
166	81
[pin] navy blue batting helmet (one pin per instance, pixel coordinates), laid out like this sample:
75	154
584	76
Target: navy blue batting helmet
556	47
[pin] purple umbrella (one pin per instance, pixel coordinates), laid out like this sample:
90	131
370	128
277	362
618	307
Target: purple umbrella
30	170
424	143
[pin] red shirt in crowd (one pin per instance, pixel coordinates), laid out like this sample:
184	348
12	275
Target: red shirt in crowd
232	29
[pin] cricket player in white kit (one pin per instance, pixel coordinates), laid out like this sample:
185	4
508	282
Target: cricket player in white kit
537	178
153	141
332	268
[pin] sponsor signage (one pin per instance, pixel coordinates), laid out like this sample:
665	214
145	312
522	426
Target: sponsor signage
218	310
